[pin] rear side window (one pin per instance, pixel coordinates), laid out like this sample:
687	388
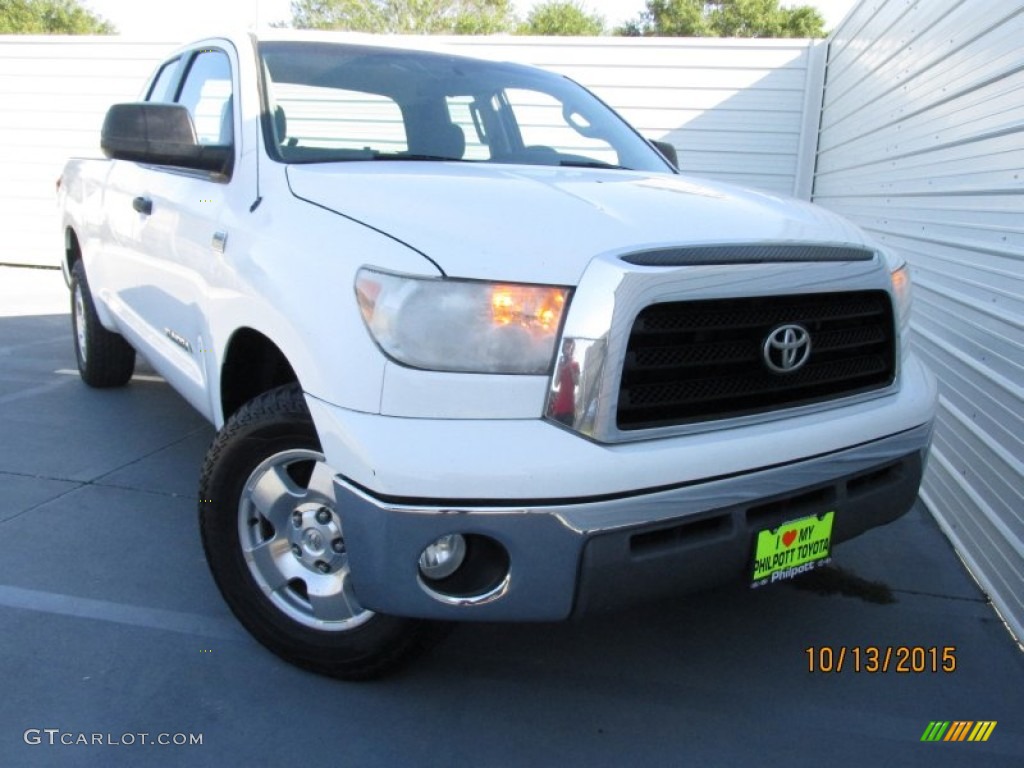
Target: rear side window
207	94
324	118
163	86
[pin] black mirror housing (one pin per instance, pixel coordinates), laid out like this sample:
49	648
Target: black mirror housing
160	134
667	151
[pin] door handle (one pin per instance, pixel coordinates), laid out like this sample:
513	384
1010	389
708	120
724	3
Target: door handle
143	205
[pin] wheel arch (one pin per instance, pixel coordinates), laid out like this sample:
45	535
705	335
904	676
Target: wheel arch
72	253
253	364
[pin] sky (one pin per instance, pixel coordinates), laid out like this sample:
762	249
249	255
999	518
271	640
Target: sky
183	20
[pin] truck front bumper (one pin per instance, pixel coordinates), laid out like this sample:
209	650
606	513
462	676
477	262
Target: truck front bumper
544	560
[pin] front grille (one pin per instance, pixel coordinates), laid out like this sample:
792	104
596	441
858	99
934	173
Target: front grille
695	361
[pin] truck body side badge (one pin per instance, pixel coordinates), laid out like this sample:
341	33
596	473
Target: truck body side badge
178	339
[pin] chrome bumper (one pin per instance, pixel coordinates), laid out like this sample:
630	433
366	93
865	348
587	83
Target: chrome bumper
588	554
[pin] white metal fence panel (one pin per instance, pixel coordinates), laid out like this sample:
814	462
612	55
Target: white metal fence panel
54	92
735	109
922	142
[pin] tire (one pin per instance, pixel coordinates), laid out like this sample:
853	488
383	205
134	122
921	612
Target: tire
105	359
273	539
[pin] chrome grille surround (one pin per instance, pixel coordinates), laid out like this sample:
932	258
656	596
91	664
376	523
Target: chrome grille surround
600	327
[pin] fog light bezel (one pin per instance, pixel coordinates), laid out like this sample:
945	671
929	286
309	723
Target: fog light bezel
483	576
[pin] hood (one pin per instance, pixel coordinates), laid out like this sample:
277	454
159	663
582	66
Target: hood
542	224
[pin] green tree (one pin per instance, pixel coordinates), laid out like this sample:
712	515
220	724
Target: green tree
561	18
725	18
461	17
50	17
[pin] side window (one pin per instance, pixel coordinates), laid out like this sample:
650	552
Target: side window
163	85
207	94
309	117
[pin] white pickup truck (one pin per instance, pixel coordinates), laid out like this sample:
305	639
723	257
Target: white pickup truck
475	349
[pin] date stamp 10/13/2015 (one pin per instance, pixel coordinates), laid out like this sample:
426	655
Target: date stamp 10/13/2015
875	659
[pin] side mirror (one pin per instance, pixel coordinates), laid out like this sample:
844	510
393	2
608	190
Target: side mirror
667	151
160	134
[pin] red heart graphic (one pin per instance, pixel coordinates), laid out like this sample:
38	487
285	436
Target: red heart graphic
788	537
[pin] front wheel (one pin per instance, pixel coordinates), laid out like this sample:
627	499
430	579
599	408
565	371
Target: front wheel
275	543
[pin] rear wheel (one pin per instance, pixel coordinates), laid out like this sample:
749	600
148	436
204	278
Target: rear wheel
105	359
275	543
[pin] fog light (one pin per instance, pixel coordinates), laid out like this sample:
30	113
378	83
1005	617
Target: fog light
443	558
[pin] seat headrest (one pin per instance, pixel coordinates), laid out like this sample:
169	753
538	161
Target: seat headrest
227	123
442	140
280	125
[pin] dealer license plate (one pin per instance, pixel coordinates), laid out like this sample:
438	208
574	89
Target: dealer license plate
793	548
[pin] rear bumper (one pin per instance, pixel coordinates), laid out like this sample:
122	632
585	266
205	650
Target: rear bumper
593	554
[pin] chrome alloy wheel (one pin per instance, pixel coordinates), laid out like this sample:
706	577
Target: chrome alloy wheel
293	543
80	321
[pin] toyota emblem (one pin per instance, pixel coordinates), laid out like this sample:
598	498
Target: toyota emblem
787	348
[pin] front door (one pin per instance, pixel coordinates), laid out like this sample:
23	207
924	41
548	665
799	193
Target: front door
179	236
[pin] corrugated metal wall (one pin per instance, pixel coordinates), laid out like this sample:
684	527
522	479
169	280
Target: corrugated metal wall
922	142
736	110
54	92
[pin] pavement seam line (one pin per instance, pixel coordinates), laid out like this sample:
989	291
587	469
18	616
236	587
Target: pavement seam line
79	484
82	483
164	494
188	435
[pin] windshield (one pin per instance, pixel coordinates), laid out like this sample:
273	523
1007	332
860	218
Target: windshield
329	102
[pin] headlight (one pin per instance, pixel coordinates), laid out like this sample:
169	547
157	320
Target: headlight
462	325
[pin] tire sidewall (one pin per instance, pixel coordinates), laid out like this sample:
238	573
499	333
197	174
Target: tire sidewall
80	286
243	445
109	360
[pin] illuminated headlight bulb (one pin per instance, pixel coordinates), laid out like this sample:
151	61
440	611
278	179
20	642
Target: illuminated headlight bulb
443	557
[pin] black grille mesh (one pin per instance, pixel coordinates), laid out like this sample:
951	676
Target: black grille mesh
695	361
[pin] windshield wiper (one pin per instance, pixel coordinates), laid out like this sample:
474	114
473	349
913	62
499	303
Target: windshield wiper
592	164
415	157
